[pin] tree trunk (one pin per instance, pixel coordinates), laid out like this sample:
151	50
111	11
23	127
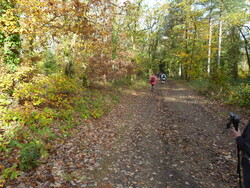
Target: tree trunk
180	69
193	49
235	52
114	39
185	67
219	43
209	47
246	47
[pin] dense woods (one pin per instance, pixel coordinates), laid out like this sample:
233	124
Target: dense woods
54	52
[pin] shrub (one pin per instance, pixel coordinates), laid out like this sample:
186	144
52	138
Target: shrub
55	91
202	86
29	155
232	93
50	64
122	82
240	94
46	104
10	172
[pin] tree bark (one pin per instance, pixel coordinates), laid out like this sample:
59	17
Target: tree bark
209	47
219	43
246	47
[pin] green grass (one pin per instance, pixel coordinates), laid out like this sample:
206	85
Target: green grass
237	93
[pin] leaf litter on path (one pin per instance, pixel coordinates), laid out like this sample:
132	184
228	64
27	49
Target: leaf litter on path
169	138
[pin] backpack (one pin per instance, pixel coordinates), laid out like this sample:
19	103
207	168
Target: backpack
152	79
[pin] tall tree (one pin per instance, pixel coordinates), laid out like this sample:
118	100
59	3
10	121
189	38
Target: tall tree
219	37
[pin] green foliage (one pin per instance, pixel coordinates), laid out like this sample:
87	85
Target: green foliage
10	43
115	98
95	105
50	64
11	52
230	92
97	113
202	86
85	81
43	104
54	91
58	97
5	4
239	94
29	156
2	37
122	82
6	84
211	88
10	172
132	82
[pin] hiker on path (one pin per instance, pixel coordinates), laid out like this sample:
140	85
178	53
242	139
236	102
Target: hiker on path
163	78
152	81
243	141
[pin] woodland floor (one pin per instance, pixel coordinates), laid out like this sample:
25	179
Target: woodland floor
169	138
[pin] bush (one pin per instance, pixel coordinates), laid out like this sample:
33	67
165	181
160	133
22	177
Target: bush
232	93
240	94
202	86
55	91
29	155
133	82
47	108
122	82
50	64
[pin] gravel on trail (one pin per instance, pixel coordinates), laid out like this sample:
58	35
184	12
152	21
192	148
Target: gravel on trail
169	138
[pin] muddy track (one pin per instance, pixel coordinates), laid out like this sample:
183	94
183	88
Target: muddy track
171	137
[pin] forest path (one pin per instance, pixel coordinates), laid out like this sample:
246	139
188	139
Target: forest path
169	138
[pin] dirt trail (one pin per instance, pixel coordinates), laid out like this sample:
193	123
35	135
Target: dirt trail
171	137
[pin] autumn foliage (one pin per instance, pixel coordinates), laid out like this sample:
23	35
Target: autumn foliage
54	52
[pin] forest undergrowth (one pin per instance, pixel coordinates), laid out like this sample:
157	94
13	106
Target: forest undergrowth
43	113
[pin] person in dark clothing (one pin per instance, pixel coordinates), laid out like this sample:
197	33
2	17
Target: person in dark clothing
243	141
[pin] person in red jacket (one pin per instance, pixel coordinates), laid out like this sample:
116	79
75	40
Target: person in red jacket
152	81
